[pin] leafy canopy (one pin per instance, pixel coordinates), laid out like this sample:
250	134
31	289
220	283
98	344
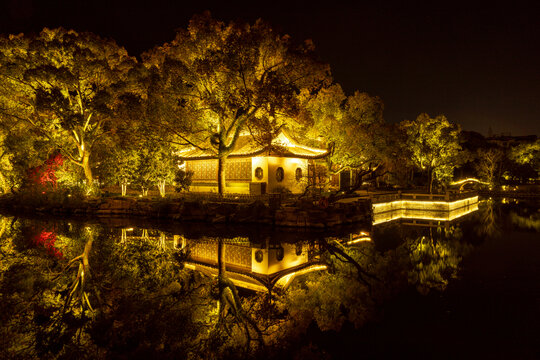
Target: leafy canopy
64	86
434	145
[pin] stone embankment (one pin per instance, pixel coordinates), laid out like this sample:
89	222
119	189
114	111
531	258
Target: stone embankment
303	213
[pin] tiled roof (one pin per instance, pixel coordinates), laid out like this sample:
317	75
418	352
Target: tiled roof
282	146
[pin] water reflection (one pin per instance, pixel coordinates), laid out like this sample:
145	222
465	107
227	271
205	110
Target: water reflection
435	258
423	211
525	217
124	291
489	216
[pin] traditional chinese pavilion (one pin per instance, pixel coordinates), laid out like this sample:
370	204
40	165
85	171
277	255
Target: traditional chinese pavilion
253	168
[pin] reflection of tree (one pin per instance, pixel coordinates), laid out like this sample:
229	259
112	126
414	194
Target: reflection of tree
141	297
232	317
488	225
77	292
528	221
434	261
145	302
339	296
148	299
343	294
24	295
340	253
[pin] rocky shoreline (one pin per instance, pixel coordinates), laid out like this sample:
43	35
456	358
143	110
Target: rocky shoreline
302	214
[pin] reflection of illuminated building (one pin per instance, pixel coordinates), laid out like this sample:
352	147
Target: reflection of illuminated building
254	266
422	212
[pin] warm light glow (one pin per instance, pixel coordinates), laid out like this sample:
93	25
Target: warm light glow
452	215
423	210
286	280
358	240
420	204
468	180
236	281
283	140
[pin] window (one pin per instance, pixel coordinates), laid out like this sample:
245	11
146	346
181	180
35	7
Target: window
298	174
259	173
259	256
280	174
280	252
298	249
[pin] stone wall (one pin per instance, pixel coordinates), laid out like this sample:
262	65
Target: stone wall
298	214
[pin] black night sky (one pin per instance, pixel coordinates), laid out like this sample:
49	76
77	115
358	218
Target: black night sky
477	63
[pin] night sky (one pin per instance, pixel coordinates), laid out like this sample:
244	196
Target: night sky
477	63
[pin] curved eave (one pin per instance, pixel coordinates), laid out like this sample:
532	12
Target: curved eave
258	153
246	280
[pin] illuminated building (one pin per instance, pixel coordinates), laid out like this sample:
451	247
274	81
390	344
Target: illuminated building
253	168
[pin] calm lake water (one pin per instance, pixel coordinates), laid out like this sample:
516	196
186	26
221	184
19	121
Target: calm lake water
120	288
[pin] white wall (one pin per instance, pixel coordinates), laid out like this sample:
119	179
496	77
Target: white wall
270	264
289	166
269	165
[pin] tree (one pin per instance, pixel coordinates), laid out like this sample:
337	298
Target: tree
434	145
527	154
19	153
228	78
118	165
354	128
489	163
156	165
360	136
64	86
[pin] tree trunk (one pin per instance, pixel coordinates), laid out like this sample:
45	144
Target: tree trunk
221	275
162	239
161	187
221	175
430	180
221	258
3	183
124	188
87	169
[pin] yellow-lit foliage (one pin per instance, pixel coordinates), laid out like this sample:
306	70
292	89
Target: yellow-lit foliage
64	87
434	145
528	153
354	127
227	79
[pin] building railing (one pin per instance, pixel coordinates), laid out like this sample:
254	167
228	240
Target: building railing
276	199
448	197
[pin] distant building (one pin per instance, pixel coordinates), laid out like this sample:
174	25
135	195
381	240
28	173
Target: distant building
253	168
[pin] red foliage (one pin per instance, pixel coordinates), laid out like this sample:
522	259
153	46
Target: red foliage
47	240
46	173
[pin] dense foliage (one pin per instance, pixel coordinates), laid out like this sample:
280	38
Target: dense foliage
122	120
